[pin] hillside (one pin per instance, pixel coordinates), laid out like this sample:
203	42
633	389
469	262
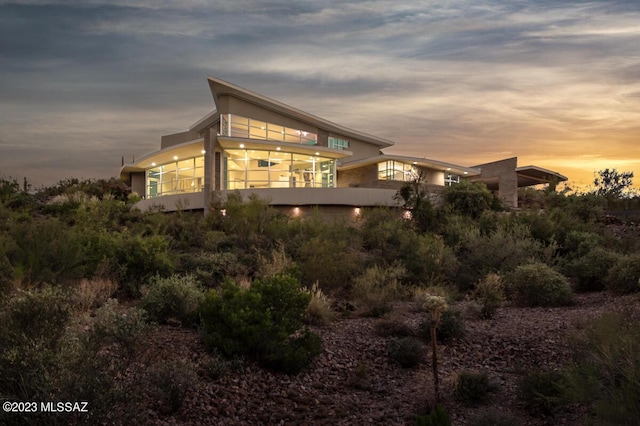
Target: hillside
354	381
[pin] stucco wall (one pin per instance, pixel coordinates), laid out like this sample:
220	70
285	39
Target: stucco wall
505	172
177	138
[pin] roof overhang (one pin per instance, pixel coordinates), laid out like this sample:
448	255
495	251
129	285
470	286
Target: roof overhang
228	142
190	149
417	161
220	87
534	175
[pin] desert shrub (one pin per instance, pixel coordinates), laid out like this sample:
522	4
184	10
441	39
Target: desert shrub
94	292
406	352
590	269
388	239
537	284
473	387
500	251
336	249
168	383
541	392
176	297
578	243
392	328
624	275
277	263
293	354
45	251
250	222
451	327
211	268
121	326
6	270
215	366
374	290
489	292
493	417
319	310
88	365
33	325
470	199
140	258
262	322
427	259
439	416
606	373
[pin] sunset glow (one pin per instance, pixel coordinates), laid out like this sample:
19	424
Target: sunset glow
554	83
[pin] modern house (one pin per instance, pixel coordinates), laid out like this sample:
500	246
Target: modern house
257	145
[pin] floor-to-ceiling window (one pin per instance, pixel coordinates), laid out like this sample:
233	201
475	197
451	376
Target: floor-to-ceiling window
178	176
249	168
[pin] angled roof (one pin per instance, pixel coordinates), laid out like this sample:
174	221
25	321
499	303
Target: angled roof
220	87
534	175
418	161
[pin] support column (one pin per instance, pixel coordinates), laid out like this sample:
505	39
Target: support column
209	167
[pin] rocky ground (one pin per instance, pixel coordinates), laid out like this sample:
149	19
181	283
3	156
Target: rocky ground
353	381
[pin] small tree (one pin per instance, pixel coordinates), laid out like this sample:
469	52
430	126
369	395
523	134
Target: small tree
612	184
415	198
435	305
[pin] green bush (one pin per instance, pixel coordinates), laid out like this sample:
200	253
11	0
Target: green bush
439	416
406	352
470	199
624	276
541	392
490	293
33	325
473	387
45	251
377	288
392	328
451	327
175	297
260	322
388	239
138	259
341	252
211	268
537	284
319	311
121	326
606	374
591	269
168	383
499	251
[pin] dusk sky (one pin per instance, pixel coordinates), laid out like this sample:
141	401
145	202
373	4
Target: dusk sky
555	83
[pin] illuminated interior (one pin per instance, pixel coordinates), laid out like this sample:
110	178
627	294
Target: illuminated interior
176	177
396	170
252	168
243	127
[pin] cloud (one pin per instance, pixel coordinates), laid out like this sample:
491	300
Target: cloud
458	81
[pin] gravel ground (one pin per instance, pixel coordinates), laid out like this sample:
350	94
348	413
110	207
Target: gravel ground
353	381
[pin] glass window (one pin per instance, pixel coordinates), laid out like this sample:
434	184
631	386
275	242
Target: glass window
243	127
396	170
175	177
451	179
336	143
276	169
